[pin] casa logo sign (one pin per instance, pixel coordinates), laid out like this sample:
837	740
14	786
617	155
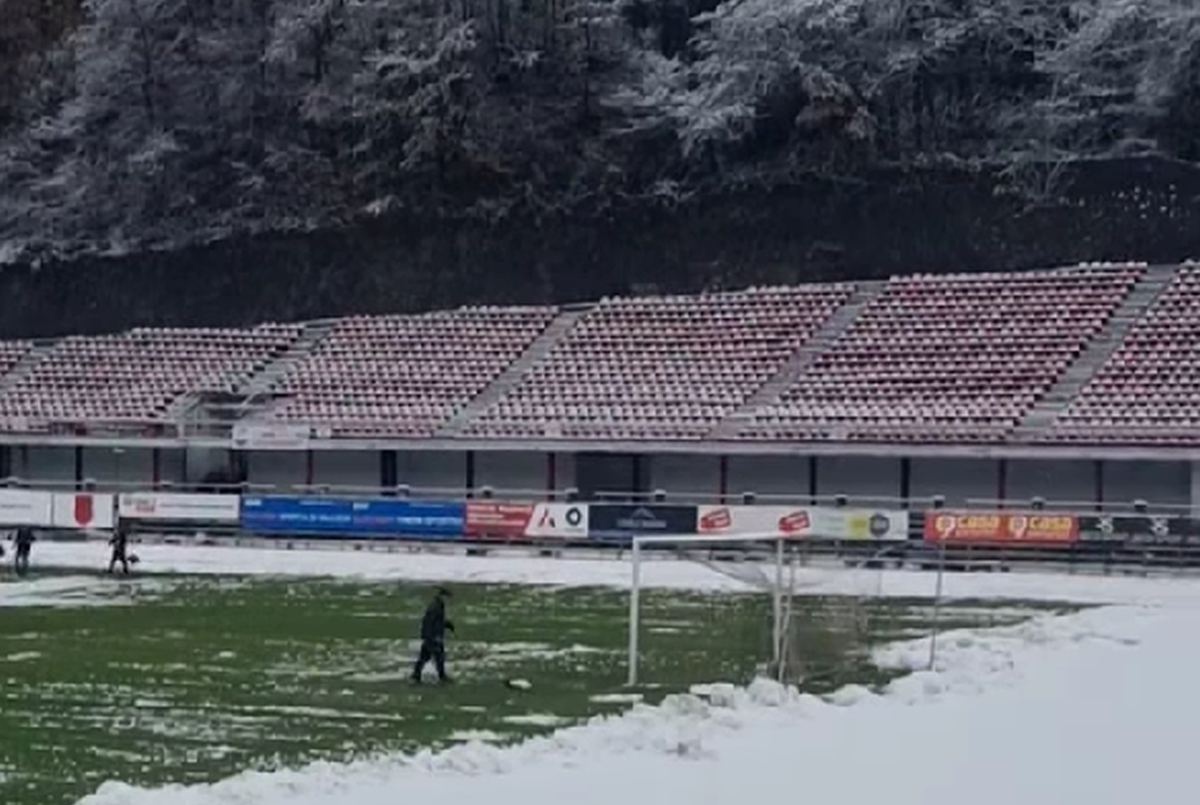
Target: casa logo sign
1001	527
1042	528
963	527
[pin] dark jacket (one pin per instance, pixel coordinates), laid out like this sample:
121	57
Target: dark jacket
24	537
434	624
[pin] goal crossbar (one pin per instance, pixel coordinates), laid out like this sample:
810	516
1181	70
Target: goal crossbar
779	540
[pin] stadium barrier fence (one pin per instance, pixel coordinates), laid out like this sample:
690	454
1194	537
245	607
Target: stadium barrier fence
958	539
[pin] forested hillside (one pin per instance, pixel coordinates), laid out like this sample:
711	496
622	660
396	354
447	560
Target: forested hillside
148	122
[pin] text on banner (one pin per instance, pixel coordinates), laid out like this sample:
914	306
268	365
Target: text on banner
497	519
1001	527
616	521
350	517
179	507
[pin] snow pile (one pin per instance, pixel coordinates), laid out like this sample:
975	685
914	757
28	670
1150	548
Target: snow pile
1049	703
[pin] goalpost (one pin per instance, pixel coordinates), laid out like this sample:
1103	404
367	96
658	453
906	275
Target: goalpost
812	637
780	600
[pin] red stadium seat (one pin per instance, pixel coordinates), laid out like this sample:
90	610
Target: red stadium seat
660	368
1148	392
135	377
406	376
959	358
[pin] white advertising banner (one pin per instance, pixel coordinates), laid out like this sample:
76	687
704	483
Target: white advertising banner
177	507
795	521
82	510
562	520
259	436
863	524
20	507
819	522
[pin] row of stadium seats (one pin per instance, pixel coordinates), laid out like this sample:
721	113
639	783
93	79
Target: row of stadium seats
955	358
961	358
661	368
1149	390
135	377
406	376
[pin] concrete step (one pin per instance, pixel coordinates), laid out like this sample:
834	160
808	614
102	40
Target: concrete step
267	378
1097	353
533	354
801	359
29	361
257	388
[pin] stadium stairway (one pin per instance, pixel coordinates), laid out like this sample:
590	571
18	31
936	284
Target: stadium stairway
255	395
1095	355
314	333
495	391
29	360
829	332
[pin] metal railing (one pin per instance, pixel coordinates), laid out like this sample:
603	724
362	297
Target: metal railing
572	494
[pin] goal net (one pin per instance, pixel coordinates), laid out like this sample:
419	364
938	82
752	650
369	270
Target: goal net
707	609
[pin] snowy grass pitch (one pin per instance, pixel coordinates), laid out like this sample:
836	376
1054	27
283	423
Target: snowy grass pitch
190	679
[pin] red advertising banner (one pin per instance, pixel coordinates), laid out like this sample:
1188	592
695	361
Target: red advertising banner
497	519
1037	528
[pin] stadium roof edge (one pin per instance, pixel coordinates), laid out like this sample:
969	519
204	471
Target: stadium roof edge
713	448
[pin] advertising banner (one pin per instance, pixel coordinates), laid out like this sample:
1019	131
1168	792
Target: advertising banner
349	517
497	519
274	436
795	521
559	521
817	522
82	510
178	507
1149	529
19	507
863	524
1035	528
616	521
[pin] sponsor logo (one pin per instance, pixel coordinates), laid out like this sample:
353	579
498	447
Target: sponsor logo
1002	527
795	522
642	519
949	525
1022	527
717	520
142	505
551	520
85	511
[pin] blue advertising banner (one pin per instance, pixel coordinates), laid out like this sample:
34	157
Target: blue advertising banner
348	517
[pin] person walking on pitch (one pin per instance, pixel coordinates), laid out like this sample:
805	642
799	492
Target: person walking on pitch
120	546
433	637
24	539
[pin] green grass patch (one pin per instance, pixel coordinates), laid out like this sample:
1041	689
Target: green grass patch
188	679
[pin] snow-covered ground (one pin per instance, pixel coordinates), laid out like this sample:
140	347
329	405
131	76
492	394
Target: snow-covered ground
1096	707
1092	708
613	572
75	591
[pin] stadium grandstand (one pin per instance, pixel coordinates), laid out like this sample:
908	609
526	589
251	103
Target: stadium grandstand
1080	384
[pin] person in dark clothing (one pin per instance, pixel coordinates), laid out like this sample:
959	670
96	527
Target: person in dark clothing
24	539
120	544
433	637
